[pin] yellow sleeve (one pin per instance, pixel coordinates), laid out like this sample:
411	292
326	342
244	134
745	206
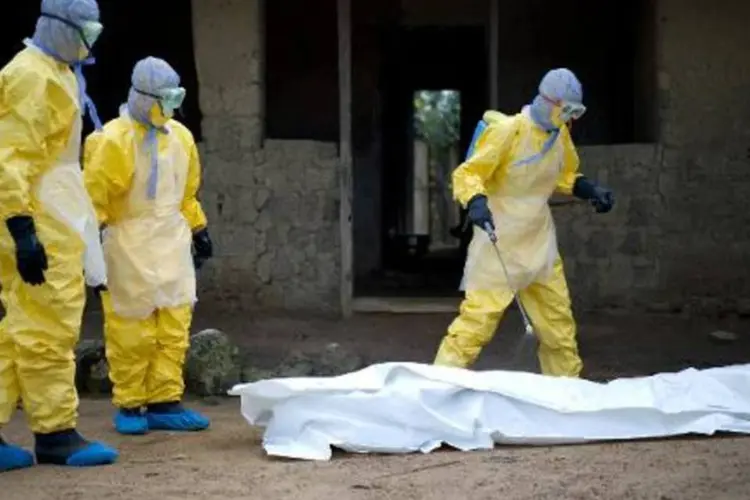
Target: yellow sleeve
491	152
36	116
89	146
191	207
107	173
570	166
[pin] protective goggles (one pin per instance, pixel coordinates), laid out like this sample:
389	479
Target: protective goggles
568	110
89	31
571	111
169	99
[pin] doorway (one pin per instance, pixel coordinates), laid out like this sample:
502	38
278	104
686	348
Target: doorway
437	134
433	84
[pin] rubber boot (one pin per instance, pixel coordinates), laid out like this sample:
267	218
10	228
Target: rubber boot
14	457
130	421
71	449
174	417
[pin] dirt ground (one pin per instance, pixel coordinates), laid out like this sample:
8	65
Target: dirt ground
227	462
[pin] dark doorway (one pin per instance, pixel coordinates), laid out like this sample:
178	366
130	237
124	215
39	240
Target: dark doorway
424	58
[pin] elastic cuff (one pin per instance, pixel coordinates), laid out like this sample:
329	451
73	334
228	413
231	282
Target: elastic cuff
20	225
57	437
464	199
165	407
475	197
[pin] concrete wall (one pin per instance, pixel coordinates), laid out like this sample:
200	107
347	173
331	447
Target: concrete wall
679	238
272	205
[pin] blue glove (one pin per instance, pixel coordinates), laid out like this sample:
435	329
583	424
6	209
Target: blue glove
479	212
600	197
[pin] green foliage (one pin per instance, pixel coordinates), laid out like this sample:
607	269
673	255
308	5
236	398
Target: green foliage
437	118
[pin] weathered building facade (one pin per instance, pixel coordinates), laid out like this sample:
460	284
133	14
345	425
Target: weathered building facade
303	111
680	234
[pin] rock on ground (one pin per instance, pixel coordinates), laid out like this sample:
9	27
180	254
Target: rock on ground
215	364
212	366
331	360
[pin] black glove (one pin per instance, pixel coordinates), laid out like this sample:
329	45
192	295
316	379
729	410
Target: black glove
479	212
203	249
31	259
600	197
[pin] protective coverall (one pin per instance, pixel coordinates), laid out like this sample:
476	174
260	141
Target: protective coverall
143	175
514	165
49	245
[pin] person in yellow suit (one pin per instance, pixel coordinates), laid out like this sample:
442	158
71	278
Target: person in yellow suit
49	244
514	165
143	173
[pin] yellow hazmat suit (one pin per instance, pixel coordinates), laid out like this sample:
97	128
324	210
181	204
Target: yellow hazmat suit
49	241
40	127
518	194
147	246
143	175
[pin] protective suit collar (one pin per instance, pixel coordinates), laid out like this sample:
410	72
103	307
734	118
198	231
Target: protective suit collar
534	115
151	143
540	111
86	103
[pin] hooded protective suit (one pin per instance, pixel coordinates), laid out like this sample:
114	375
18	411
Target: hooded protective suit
513	166
50	236
143	174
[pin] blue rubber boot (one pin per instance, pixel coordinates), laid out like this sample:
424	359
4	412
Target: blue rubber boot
14	457
130	422
71	449
175	417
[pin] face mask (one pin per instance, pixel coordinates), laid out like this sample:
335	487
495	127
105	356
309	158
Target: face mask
169	99
157	117
89	31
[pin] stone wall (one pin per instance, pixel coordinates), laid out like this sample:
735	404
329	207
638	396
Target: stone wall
272	205
612	260
679	238
704	169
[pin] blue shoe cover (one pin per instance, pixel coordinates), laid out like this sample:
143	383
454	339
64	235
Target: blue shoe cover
130	422
14	457
92	455
178	420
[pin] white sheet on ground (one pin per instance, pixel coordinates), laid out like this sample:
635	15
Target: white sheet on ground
406	407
